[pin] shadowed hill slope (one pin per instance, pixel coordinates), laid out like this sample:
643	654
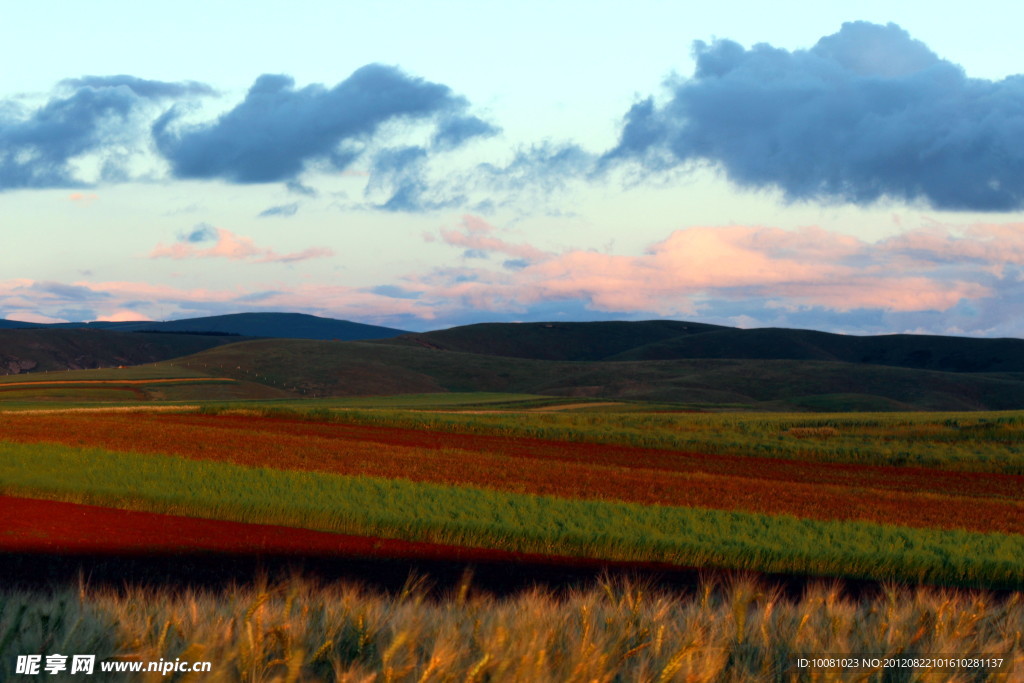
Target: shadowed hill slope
553	341
37	350
360	368
677	340
925	352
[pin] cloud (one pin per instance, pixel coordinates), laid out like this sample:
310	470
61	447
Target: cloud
228	245
141	87
866	114
99	116
949	279
477	235
455	131
201	232
545	165
694	270
282	210
66	292
123	315
295	187
279	131
988	244
82	198
402	174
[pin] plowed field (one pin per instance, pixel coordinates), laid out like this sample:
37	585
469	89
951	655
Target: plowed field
891	495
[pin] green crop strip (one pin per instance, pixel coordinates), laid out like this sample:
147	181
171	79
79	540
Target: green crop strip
486	518
975	442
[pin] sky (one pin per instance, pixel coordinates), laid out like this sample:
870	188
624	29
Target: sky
849	167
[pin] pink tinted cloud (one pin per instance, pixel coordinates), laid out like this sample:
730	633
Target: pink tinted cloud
81	198
477	234
791	268
993	244
234	247
123	315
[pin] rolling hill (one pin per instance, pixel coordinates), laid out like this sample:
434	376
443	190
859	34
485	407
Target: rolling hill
665	361
42	349
586	341
316	368
923	352
676	340
283	325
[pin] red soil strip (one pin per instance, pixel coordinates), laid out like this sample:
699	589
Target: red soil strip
191	434
28	525
573	470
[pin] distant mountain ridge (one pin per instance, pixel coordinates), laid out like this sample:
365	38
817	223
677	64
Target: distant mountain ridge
277	325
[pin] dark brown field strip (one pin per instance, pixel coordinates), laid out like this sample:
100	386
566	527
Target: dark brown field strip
79	382
229	440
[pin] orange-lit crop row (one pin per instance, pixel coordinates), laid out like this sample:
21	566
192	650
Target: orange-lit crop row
913	497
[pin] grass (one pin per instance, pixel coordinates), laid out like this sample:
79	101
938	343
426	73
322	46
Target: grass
135	372
304	630
464	515
318	369
39	350
976	442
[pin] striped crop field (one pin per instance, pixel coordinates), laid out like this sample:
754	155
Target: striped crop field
515	492
907	496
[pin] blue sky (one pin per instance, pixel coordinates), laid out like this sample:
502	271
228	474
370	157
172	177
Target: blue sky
856	168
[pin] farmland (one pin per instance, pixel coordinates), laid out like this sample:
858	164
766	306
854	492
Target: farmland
527	481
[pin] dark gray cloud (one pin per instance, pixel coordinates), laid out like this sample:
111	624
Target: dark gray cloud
68	292
402	174
281	210
141	87
201	232
546	166
456	130
866	114
98	115
278	131
295	187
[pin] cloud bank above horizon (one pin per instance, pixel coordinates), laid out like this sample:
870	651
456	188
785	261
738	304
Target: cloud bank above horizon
867	117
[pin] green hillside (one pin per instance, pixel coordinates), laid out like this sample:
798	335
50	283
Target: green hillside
42	349
676	340
553	341
926	352
313	368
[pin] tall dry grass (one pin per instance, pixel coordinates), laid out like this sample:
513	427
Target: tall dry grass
305	630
